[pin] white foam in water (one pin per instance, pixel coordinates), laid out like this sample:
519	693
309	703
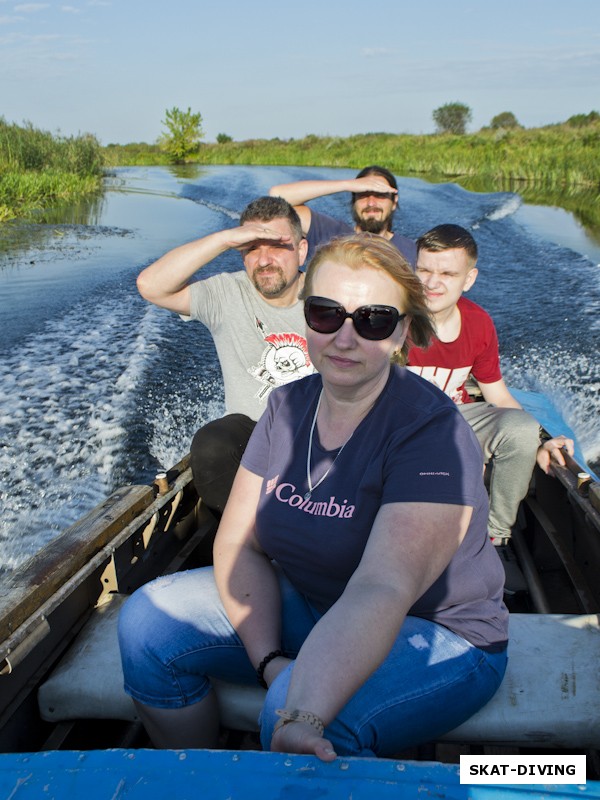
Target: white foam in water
173	426
67	396
227	212
509	207
506	209
578	398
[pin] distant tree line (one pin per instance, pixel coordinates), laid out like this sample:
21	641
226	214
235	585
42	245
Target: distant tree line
454	118
184	128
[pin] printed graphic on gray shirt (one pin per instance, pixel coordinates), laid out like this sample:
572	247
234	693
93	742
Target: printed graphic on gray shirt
284	359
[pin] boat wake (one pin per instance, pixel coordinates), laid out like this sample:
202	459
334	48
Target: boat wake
197	194
227	212
509	205
578	399
68	396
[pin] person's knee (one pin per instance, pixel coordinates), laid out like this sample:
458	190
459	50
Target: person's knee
207	445
134	628
224	438
215	455
527	431
519	430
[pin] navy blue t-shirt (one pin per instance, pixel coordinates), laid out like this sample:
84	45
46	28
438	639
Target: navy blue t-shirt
324	228
413	446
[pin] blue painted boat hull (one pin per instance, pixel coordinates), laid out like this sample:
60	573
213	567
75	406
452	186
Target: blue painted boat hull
245	775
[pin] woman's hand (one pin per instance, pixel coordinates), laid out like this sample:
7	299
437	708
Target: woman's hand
300	737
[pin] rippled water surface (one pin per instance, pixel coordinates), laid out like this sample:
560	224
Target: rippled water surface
98	388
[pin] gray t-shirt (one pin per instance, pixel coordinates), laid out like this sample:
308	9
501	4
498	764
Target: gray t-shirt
260	346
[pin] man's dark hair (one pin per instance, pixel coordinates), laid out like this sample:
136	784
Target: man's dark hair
381	171
448	237
265	209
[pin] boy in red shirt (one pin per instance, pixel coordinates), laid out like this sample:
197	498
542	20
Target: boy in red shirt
466	345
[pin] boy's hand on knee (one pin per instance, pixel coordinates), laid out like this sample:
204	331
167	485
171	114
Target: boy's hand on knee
551	450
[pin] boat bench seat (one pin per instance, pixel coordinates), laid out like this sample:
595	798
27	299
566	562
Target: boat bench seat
549	697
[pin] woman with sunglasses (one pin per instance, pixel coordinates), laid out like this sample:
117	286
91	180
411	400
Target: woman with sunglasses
353	574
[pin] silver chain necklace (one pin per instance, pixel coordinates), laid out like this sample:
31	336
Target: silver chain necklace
311	488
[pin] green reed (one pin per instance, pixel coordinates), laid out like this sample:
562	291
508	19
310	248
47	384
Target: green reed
38	168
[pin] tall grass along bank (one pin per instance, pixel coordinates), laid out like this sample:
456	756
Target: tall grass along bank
557	156
38	169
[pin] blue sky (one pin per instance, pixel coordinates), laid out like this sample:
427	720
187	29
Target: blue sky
275	68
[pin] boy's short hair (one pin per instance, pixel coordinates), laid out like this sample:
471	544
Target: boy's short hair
448	237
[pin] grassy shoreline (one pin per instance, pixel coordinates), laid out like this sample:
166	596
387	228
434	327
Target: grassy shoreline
553	157
37	170
558	165
558	155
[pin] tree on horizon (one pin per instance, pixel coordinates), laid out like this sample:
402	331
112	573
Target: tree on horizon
505	120
452	118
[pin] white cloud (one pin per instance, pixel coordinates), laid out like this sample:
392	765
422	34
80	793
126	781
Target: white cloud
29	8
373	52
70	10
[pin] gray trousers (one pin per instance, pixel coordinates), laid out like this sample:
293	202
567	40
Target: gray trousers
509	438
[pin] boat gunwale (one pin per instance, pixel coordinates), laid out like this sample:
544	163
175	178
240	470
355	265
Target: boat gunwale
34	591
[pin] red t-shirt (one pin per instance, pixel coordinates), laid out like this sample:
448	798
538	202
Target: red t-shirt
474	351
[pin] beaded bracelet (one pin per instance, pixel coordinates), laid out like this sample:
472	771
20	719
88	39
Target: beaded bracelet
262	666
299	716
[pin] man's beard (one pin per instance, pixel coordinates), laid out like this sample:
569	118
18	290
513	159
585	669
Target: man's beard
273	285
372	224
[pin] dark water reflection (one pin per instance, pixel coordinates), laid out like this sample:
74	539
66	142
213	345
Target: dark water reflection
98	388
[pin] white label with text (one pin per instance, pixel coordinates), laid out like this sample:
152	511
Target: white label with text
523	769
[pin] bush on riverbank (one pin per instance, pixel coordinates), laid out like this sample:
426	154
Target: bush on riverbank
37	168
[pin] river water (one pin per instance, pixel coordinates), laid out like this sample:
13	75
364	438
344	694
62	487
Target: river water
99	388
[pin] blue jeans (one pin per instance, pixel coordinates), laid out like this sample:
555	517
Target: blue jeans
174	633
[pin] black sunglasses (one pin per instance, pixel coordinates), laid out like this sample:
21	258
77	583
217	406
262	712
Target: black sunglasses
371	322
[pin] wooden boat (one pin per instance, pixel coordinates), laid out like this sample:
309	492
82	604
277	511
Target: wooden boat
63	711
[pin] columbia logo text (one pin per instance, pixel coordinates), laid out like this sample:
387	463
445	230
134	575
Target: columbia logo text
286	493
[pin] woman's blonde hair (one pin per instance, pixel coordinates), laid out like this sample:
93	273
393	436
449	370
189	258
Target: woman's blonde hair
375	252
